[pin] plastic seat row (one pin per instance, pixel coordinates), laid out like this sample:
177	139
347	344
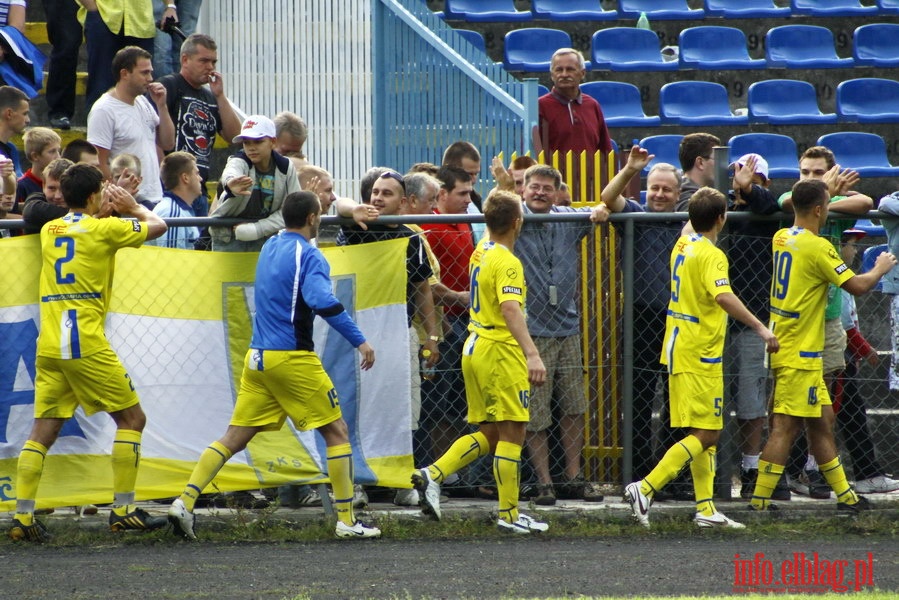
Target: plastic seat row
591	10
706	47
773	101
863	152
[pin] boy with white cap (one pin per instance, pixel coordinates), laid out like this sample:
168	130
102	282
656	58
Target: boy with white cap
254	184
749	254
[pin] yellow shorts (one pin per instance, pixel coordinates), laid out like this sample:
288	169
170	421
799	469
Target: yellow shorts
276	384
799	392
696	400
99	383
496	381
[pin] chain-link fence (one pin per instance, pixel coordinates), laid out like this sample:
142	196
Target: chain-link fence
597	299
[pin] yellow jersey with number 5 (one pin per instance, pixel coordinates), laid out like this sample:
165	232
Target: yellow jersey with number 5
804	263
695	324
78	259
496	277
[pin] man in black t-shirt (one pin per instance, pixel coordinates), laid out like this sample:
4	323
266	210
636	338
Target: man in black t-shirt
198	111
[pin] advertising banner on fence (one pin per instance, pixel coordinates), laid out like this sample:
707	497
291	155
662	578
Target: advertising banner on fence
180	321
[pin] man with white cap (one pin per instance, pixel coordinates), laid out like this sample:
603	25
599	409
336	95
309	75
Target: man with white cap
254	184
749	255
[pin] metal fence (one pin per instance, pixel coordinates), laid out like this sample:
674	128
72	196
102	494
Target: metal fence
621	309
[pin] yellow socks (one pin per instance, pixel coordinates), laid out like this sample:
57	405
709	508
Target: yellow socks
506	469
703	471
28	477
769	475
340	472
125	461
211	461
464	450
836	478
678	456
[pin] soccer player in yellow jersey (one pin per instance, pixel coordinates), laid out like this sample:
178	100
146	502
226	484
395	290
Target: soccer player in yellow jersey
499	363
804	265
75	363
701	299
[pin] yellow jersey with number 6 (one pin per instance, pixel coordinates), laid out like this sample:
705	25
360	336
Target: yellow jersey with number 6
78	259
496	277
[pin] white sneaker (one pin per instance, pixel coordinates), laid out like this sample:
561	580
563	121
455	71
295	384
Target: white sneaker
360	498
717	520
428	493
359	530
524	524
406	497
876	485
639	503
182	520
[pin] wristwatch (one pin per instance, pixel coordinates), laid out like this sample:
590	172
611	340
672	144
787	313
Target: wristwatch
434	338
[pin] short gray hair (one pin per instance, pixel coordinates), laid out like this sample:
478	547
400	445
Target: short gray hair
668	168
564	51
418	183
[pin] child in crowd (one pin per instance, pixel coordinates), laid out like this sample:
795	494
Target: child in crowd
42	146
126	170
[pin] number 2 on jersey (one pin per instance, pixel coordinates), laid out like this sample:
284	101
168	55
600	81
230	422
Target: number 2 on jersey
783	262
69	244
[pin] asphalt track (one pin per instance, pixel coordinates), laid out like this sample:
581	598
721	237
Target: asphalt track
646	563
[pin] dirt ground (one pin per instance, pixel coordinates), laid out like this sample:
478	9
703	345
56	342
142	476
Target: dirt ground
375	569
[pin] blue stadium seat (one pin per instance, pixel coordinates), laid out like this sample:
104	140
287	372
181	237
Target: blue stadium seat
697	103
779	150
785	102
740	9
542	90
831	8
620	102
665	148
802	47
531	49
628	49
868	100
475	37
870	228
876	45
478	11
888	7
571	10
658	9
863	152
869	257
712	47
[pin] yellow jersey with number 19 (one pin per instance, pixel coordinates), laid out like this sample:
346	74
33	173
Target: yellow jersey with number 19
804	263
78	259
695	325
496	276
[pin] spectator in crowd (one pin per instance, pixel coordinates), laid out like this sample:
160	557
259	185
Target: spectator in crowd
65	34
890	205
546	250
21	62
517	170
465	156
849	403
255	182
198	112
125	170
12	14
292	285
124	120
698	163
41	147
652	291
109	27
181	182
80	351
8	190
701	300
290	137
184	15
568	119
48	204
424	167
749	254
501	363
819	163
563	197
81	151
7	201
804	266
319	181
14	119
443	397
